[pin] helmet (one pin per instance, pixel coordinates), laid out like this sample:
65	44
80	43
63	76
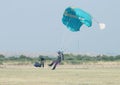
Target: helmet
59	52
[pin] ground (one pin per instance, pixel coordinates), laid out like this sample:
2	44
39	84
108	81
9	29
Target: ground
85	74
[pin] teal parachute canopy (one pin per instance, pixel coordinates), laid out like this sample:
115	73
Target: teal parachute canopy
74	18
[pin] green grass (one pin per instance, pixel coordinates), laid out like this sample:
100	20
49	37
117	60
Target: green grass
89	74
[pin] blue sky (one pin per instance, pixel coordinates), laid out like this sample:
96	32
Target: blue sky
36	26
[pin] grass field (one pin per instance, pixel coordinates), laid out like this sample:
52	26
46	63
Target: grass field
85	74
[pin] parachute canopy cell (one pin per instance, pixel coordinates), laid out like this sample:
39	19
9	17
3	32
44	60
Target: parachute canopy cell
74	18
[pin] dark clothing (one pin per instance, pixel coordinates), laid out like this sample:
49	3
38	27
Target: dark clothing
42	61
57	61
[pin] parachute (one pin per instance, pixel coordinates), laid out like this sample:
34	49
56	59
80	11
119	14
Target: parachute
74	18
37	64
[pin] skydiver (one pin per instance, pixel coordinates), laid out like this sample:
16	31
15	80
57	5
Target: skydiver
60	57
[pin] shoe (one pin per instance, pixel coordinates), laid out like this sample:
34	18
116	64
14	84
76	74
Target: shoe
49	65
53	68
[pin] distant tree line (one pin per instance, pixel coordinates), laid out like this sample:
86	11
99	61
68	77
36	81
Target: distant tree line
69	58
77	59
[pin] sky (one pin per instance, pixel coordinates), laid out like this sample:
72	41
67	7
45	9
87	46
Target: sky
33	26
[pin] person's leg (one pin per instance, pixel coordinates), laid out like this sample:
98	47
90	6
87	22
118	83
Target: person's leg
42	64
51	63
55	65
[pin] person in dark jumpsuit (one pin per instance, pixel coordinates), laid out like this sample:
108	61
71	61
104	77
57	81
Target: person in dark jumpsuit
58	60
42	60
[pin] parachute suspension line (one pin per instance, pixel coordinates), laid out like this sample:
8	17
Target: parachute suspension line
78	46
101	25
95	20
62	41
